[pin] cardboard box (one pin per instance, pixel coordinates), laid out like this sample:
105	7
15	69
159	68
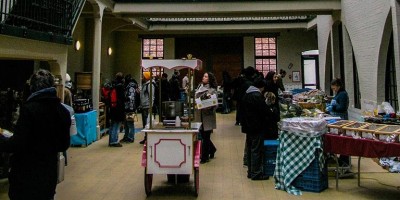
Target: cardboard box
206	103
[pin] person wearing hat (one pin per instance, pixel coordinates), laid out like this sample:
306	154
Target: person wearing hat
255	125
145	99
67	90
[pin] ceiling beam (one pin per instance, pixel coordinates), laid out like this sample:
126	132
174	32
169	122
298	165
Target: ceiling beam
202	9
227	27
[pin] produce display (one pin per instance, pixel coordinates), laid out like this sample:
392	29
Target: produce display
309	103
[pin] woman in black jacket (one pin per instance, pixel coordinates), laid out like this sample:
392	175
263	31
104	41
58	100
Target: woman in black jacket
41	132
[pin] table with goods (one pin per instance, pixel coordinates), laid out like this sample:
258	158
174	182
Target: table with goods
364	139
376	135
172	145
86	124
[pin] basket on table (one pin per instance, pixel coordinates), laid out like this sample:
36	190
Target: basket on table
388	133
353	130
307	105
368	132
336	127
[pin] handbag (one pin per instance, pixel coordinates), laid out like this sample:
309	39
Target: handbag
131	117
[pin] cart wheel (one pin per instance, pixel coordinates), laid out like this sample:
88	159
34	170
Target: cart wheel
196	181
148	181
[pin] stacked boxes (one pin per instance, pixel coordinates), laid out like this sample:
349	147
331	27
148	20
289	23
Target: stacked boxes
312	179
270	151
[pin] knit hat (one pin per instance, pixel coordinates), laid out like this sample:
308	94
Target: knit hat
259	83
146	75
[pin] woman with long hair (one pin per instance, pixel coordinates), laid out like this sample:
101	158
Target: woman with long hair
207	116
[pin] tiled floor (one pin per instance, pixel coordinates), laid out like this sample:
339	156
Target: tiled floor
98	172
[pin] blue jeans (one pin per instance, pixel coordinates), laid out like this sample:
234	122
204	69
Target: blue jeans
129	127
145	115
114	130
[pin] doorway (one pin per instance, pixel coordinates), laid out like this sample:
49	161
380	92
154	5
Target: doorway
309	69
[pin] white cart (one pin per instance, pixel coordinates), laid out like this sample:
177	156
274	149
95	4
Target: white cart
171	150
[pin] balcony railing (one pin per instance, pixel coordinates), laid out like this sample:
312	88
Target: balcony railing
47	20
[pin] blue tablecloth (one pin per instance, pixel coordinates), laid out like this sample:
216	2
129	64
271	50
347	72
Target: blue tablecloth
86	125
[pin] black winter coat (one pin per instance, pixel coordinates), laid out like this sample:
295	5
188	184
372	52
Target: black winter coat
41	132
117	113
256	114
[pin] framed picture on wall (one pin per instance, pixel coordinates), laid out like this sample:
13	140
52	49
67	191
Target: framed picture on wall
296	76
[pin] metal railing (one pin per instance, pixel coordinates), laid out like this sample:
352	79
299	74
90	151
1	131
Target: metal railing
51	17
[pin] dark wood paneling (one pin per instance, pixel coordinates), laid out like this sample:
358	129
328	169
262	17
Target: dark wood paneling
217	54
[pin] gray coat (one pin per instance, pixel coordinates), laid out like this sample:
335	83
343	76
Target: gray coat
145	94
207	115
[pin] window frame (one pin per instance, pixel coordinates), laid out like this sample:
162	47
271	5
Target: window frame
157	72
266	67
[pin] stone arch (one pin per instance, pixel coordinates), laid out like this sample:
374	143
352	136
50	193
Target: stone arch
328	66
383	51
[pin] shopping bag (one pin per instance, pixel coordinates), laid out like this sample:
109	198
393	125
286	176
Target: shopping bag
131	117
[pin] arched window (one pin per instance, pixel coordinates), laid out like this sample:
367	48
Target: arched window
390	77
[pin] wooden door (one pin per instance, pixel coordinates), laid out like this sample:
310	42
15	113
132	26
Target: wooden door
232	63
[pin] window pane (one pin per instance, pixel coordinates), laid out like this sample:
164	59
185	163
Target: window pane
264	40
258	62
272	46
271	40
258	53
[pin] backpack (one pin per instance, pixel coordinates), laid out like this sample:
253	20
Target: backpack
131	97
113	97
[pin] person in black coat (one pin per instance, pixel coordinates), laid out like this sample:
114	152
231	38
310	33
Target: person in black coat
255	125
247	80
41	132
117	112
272	133
271	84
175	91
165	88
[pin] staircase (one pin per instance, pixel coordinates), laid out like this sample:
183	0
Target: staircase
45	20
